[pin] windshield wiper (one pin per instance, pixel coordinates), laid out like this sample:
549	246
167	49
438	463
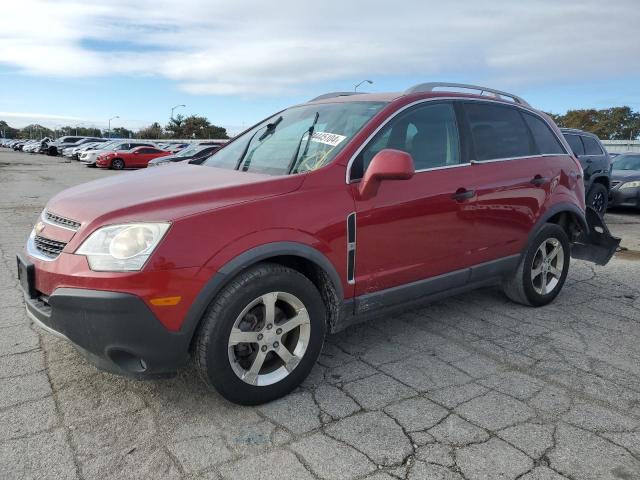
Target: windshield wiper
270	128
309	133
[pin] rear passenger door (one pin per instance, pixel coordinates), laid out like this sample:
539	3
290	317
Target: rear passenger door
511	178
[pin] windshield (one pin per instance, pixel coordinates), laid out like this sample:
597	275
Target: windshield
297	140
189	151
627	162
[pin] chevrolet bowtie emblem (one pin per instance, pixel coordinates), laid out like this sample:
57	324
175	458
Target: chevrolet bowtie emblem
39	227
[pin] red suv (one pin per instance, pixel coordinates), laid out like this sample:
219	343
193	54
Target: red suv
138	157
347	207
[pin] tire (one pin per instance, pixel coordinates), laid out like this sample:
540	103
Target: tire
598	198
117	164
524	286
226	363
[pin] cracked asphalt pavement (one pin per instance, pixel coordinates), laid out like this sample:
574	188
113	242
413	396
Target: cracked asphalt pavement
472	387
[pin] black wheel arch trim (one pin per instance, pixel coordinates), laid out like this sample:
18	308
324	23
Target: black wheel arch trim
564	207
601	178
247	259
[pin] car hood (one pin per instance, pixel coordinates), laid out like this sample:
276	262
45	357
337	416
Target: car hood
165	194
622	175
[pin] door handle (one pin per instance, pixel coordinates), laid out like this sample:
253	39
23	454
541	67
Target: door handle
539	180
463	194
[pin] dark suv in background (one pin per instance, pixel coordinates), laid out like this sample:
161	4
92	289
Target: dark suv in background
596	164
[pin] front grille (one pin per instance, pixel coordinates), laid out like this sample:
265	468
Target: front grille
61	221
49	248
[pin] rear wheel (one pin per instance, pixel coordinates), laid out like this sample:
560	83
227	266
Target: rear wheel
261	335
542	270
117	164
598	198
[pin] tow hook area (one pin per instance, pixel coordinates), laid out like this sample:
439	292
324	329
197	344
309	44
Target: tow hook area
597	245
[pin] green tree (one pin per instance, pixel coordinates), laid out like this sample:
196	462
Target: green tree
35	132
616	123
195	126
119	132
175	127
152	131
7	131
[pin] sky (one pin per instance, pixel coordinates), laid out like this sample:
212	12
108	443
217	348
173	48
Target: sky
68	62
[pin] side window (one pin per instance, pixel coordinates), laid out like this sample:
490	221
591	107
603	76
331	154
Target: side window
543	137
575	143
497	131
591	146
428	132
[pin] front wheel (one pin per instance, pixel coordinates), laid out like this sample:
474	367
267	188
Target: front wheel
262	335
598	197
117	164
542	270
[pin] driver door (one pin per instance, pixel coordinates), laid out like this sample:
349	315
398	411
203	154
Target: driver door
422	227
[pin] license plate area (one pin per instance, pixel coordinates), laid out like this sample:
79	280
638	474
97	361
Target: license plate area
27	277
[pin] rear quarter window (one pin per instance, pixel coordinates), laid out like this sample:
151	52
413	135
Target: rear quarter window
497	132
591	146
544	138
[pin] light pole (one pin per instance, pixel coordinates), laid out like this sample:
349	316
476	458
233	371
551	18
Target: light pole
109	131
355	87
173	108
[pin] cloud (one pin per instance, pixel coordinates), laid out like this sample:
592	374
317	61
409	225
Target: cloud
269	48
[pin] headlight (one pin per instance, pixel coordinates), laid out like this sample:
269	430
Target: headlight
122	248
630	185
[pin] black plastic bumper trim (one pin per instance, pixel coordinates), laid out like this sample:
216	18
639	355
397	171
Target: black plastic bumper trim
117	332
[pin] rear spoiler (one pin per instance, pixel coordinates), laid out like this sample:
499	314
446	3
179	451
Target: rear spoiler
596	245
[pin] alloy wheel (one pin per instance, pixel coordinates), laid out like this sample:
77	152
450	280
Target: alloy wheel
598	202
547	266
269	338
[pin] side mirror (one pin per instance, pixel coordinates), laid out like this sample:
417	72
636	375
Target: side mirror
388	164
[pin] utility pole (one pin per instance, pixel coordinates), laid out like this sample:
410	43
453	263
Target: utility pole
109	131
355	87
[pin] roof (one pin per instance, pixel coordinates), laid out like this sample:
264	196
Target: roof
424	90
577	130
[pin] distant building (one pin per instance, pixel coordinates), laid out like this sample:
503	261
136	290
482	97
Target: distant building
621	146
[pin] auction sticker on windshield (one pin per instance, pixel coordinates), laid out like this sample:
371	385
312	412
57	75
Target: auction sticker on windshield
327	138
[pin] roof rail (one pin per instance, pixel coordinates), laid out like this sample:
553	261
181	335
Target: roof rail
335	94
429	87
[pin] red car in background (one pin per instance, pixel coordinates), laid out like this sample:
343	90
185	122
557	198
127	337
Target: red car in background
138	157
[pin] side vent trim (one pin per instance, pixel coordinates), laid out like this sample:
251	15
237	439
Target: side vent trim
351	248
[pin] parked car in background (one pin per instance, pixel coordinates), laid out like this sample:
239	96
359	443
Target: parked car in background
89	157
56	147
625	181
345	208
139	157
194	154
176	147
71	149
596	165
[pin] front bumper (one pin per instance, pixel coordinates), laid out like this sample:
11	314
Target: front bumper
624	197
117	332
